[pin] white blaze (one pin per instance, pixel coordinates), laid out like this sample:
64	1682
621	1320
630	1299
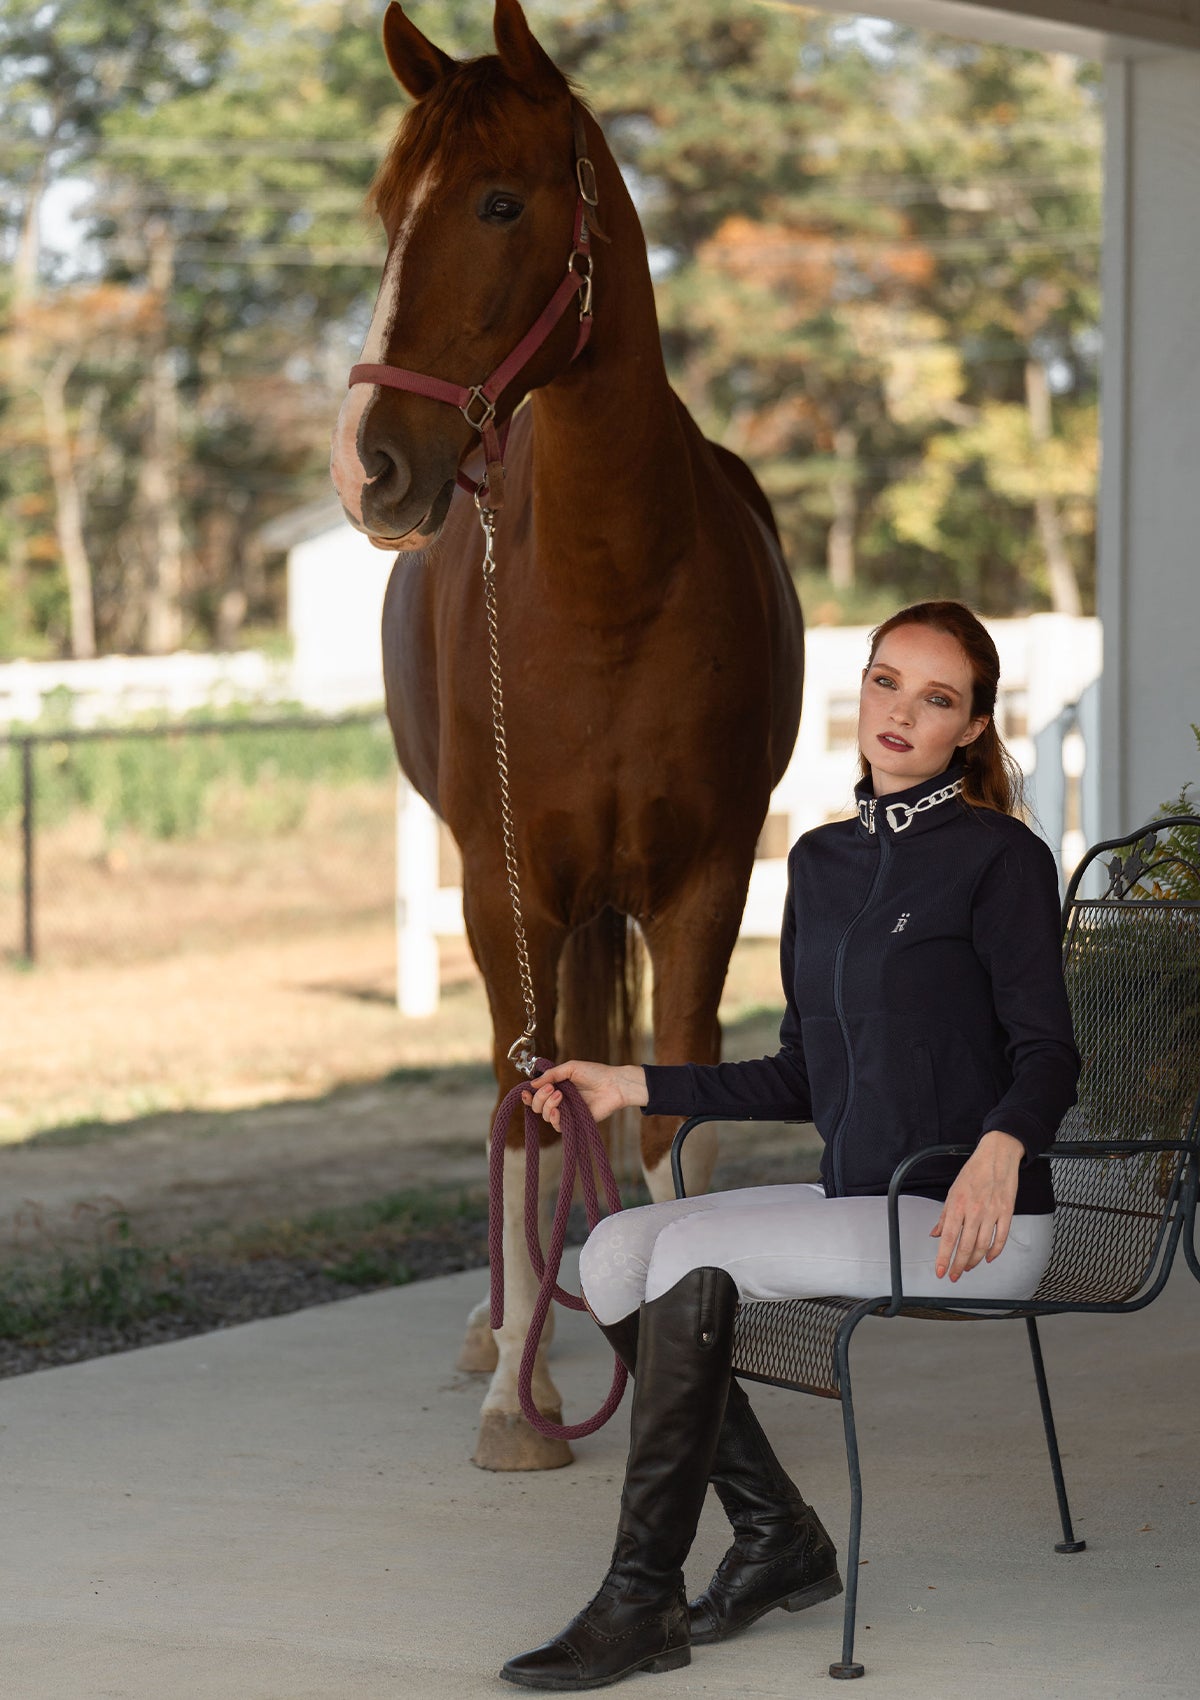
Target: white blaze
345	468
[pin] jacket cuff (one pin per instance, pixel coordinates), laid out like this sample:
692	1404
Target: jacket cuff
1022	1126
670	1089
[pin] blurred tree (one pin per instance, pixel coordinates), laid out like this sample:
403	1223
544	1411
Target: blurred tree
876	257
63	69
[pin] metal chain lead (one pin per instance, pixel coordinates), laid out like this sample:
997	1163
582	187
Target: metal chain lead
523	1051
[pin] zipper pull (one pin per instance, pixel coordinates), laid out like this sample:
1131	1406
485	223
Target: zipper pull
871	815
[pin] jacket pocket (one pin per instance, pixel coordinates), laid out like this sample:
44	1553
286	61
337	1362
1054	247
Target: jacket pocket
825	1060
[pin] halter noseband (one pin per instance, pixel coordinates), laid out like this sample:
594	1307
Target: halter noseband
477	403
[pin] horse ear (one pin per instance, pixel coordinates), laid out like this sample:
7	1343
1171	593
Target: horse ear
521	54
416	63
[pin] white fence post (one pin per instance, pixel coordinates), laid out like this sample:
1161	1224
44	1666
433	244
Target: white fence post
417	975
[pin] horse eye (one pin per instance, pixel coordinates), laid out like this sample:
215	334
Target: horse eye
504	209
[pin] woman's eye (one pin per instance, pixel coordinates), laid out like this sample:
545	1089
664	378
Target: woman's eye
942	702
882	679
503	208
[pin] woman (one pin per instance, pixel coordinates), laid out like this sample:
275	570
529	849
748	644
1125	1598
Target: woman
925	1005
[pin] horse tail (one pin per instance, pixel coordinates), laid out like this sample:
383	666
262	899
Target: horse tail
600	977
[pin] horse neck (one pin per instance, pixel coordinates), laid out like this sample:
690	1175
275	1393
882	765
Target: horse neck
612	480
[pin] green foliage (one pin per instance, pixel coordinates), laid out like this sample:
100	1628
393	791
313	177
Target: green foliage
181	784
116	1283
865	239
370	1244
1180	844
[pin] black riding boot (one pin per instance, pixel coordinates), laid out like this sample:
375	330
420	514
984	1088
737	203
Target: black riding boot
639	1618
781	1553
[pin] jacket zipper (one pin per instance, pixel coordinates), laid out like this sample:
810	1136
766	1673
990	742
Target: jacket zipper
835	1149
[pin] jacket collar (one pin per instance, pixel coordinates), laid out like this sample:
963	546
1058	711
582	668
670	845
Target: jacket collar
906	812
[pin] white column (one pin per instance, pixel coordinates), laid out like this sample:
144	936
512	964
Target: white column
1149	553
417	983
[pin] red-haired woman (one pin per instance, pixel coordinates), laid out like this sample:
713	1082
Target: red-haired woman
925	1005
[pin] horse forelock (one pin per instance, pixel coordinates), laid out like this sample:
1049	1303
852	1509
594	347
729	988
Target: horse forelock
472	117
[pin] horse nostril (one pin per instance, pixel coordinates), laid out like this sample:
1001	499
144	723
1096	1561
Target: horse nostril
377	464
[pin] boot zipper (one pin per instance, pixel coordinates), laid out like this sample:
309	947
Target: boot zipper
706	1331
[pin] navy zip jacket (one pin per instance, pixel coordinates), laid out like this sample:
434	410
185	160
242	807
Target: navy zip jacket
922	966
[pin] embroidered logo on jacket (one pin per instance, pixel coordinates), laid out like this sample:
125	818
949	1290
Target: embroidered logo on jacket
899	927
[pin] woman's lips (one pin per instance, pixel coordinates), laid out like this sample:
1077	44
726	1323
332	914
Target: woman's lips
890	741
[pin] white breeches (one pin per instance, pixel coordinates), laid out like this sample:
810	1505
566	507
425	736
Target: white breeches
791	1242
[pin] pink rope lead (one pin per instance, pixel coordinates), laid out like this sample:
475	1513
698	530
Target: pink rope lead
582	1146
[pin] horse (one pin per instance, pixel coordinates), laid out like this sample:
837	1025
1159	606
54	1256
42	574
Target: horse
650	639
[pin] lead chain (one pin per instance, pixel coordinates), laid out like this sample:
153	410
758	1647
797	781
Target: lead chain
523	1051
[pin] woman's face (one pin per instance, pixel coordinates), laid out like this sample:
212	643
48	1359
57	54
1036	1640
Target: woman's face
914	709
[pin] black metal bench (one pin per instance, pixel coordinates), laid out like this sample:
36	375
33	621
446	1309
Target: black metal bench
1126	1162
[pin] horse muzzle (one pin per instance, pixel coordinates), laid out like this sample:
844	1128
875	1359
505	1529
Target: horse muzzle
409	529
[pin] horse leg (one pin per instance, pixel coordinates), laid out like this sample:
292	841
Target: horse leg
690	944
479	1354
506	1440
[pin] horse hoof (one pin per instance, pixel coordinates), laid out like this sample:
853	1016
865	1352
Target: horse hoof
509	1443
479	1355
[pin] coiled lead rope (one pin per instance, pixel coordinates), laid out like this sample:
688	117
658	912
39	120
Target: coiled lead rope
583	1154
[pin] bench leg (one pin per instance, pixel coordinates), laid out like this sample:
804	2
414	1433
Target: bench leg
1068	1542
846	1666
1187	1204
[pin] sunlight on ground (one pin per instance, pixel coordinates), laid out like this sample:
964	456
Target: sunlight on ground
264	1022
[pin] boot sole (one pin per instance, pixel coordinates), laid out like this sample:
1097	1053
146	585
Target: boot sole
826	1589
660	1662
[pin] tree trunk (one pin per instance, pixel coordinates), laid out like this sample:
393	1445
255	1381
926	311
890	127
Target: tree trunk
22	400
159	478
68	509
1064	590
842	489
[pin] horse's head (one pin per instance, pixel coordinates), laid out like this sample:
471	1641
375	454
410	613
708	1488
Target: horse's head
477	197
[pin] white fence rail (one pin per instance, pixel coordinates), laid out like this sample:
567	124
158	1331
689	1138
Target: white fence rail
1047	714
116	688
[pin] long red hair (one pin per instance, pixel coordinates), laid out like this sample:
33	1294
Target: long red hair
992	779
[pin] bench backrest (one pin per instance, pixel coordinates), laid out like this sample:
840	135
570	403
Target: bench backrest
1132	966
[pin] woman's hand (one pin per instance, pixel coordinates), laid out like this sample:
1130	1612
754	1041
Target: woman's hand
603	1089
978	1211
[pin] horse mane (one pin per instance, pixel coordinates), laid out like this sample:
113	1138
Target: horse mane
466	105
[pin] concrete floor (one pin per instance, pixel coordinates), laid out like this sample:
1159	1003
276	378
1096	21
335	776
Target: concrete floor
286	1511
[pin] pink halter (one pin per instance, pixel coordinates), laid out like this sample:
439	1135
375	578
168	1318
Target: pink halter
477	403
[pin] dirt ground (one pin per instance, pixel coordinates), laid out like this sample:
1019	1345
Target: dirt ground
265	1081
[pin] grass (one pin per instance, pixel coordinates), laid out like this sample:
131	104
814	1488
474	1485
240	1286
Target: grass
111	1285
116	1282
380	1222
183	786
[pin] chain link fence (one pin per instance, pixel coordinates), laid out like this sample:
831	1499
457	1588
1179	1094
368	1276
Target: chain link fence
128	844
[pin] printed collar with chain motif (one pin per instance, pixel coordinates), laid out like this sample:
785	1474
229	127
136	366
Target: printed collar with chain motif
900	815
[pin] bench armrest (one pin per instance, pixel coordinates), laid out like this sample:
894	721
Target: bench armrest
1060	1148
1064	1148
686	1127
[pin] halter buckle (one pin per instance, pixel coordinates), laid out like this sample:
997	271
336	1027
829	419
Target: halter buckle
585	275
489	409
585	176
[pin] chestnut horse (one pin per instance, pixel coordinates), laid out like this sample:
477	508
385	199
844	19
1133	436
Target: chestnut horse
651	642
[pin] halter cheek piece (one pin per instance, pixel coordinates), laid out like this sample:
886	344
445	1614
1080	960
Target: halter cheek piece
477	404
